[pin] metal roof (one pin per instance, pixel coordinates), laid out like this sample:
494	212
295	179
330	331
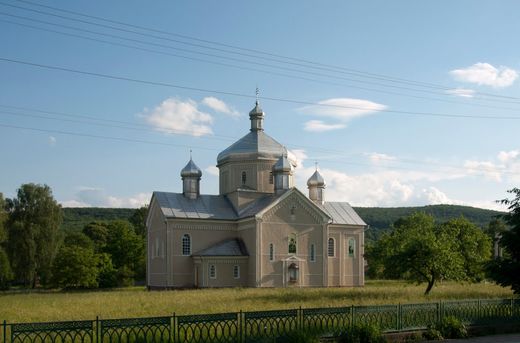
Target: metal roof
342	213
253	145
176	205
230	247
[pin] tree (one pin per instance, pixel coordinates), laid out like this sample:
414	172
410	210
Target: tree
126	249
504	270
33	230
138	220
75	267
98	233
6	273
421	251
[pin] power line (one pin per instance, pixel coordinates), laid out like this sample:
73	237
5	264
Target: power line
285	100
334	68
220	63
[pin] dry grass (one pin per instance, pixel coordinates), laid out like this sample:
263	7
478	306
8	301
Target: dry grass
137	302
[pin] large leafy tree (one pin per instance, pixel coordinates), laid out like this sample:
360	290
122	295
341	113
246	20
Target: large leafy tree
138	220
33	231
421	251
5	267
505	269
76	266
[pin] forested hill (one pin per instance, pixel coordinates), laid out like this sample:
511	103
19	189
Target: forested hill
379	218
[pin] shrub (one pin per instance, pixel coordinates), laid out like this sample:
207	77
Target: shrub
452	327
362	333
432	334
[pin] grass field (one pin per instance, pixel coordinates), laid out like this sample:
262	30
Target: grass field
137	302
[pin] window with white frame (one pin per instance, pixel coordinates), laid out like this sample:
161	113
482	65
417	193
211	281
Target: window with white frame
186	245
331	247
312	253
351	247
271	252
212	271
236	271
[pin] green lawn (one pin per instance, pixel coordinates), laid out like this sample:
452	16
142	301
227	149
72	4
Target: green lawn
137	302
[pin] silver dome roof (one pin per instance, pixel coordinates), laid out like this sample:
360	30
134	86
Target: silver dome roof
256	144
191	169
283	165
316	180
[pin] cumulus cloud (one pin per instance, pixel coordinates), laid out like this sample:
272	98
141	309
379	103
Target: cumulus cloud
97	197
506	167
508	156
462	92
212	170
344	108
220	106
177	116
486	74
320	126
486	168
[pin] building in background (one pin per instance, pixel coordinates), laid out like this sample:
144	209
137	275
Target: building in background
260	231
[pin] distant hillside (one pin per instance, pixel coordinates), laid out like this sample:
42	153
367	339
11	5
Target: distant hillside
75	218
379	218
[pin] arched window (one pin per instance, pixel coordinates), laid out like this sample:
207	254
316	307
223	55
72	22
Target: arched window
271	252
186	245
212	271
244	177
331	247
312	253
351	247
292	244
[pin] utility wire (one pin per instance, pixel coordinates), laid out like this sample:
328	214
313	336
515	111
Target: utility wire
379	77
190	58
284	100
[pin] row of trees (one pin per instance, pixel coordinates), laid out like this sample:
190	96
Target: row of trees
35	251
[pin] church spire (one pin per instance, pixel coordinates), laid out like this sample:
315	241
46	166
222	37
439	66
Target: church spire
257	116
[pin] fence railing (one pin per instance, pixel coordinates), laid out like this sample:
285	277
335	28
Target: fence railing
245	327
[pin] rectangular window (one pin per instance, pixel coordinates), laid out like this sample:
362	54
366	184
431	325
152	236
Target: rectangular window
271	252
212	271
156	247
236	272
312	253
292	245
331	247
351	247
271	178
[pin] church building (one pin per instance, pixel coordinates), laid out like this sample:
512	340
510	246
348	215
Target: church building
260	231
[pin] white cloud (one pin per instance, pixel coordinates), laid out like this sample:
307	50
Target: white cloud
52	140
344	108
462	92
220	106
177	116
97	197
486	74
320	126
434	196
508	156
212	170
378	158
297	156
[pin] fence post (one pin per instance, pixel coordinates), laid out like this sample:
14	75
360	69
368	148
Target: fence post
399	317
96	331
5	331
439	312
173	331
239	327
512	307
479	310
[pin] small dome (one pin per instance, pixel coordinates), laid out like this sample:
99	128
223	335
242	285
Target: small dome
316	180
191	169
257	110
283	165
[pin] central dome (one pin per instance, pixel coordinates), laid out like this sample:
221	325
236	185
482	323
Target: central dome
254	145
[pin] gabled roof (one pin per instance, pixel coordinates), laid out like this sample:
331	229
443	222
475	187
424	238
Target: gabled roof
342	213
230	247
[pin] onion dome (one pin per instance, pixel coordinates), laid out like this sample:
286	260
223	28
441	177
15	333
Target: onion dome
282	165
316	180
191	170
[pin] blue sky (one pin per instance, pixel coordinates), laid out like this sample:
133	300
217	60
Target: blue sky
371	109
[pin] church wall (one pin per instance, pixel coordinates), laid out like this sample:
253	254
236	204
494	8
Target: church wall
203	234
247	232
224	272
156	247
350	268
258	176
334	261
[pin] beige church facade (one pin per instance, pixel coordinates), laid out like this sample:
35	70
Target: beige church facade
260	231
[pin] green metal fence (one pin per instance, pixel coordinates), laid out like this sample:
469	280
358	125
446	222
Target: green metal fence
245	327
